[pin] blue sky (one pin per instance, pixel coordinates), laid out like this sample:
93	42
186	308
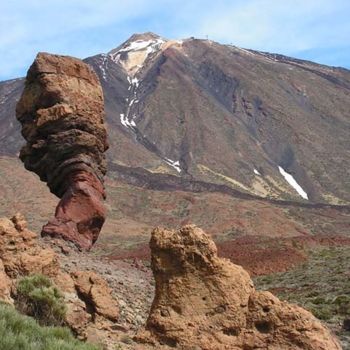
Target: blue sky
318	30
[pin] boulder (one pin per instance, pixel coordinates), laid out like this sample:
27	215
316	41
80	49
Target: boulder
94	290
62	115
205	302
5	285
19	252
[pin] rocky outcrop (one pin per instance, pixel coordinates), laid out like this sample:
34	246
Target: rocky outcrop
205	302
95	290
62	115
5	285
19	252
90	305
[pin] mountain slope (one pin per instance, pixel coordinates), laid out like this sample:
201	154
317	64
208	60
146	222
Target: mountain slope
236	141
220	114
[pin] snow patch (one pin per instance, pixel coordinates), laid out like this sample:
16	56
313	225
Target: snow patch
3	100
256	172
138	51
135	81
137	45
245	51
175	165
290	179
126	122
103	66
270	57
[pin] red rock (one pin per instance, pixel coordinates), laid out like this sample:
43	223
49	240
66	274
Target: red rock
80	213
62	115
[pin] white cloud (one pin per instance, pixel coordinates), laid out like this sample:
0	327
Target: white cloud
86	27
288	26
32	26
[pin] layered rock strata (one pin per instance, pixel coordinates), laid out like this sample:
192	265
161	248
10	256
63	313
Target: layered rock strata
205	302
62	115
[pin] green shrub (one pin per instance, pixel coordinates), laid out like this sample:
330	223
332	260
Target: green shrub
319	301
19	332
342	304
322	313
39	298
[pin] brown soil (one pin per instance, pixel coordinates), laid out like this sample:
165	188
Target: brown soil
258	255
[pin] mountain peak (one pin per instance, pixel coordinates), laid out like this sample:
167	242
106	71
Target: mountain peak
144	36
133	53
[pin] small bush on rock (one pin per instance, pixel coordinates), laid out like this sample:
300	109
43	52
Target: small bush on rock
39	298
21	332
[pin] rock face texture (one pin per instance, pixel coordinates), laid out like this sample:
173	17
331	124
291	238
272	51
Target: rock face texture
205	302
90	306
19	252
62	115
95	290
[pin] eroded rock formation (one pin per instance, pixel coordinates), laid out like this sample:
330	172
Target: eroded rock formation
205	302
62	115
90	306
19	252
95	290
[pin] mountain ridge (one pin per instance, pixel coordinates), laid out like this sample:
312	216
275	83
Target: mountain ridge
126	98
210	128
164	56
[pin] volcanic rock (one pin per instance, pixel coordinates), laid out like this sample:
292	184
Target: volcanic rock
19	252
94	289
90	306
205	302
5	285
62	115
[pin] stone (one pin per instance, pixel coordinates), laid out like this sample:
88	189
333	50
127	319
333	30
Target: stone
90	307
96	293
19	221
203	301
14	239
19	252
5	285
62	115
39	261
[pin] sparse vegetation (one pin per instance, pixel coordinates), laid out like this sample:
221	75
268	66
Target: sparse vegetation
321	285
22	332
39	298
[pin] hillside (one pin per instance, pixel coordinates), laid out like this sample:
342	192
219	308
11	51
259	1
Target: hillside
207	133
